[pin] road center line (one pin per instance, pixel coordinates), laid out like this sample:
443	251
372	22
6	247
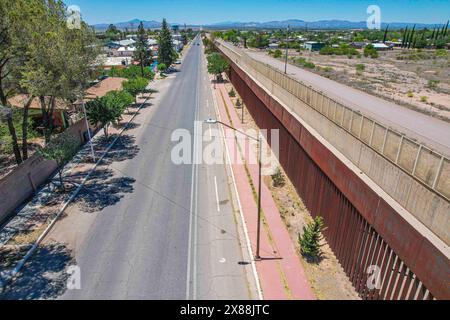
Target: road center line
217	193
192	210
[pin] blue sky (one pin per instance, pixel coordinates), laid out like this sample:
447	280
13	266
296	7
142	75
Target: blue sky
211	11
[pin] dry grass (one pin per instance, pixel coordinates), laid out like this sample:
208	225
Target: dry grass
391	77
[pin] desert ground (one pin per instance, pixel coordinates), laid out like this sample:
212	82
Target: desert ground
418	79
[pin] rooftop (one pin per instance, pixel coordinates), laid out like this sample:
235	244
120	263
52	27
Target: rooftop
103	87
18	101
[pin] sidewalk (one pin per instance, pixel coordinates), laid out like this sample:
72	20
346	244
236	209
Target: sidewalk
280	271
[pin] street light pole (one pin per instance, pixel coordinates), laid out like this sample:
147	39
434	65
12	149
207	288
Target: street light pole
287	51
242	106
258	233
259	140
88	128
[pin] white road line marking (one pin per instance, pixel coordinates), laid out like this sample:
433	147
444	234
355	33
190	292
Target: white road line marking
217	194
192	214
198	159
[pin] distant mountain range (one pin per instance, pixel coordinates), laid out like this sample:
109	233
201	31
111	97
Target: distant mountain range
322	24
293	23
132	24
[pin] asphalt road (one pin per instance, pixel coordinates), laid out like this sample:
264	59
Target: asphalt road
431	131
174	235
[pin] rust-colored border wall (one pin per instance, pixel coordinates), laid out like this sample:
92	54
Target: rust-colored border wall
363	229
20	184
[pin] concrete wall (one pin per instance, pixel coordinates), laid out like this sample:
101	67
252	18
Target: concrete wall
22	182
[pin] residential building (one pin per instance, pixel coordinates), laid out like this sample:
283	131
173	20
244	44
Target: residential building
381	46
313	45
274	46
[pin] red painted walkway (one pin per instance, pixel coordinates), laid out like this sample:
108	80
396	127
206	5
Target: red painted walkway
280	271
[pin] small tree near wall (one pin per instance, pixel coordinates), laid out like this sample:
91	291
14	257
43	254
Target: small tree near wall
61	150
217	65
310	240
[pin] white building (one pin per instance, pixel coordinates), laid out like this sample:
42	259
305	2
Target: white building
123	52
121	43
274	45
381	46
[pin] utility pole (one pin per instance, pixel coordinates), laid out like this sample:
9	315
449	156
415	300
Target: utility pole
287	51
142	64
88	128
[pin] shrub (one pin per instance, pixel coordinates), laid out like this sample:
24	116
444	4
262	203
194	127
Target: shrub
432	84
217	65
343	49
61	150
278	178
309	241
300	60
360	67
309	65
410	94
424	99
162	67
232	93
370	51
277	53
441	53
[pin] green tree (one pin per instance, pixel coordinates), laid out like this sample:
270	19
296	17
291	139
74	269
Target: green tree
61	60
131	72
260	40
166	52
62	149
277	53
113	33
135	86
370	50
119	101
142	53
217	65
162	67
310	240
17	20
104	111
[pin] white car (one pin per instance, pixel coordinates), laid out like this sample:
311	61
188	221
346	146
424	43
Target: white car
178	61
